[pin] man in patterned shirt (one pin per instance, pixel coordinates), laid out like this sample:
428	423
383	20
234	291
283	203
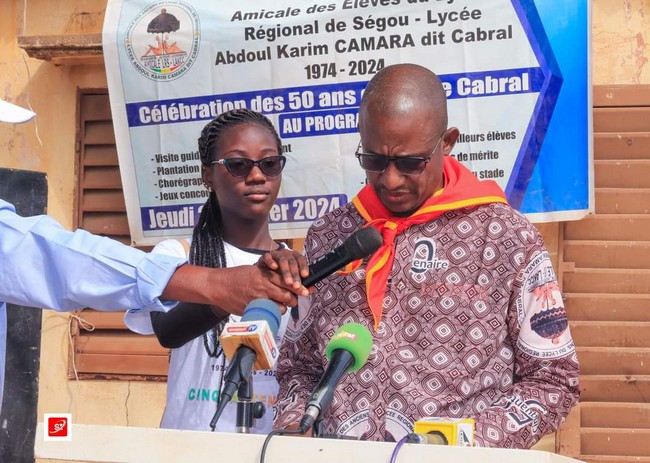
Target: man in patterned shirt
461	298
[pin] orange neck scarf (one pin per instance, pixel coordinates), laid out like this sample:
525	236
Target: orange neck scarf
462	189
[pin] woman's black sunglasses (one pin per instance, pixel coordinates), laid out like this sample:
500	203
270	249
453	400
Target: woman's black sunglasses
240	167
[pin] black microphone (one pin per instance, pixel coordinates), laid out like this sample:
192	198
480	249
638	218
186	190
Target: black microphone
361	244
348	350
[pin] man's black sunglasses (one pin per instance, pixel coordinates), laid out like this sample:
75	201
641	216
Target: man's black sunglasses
407	165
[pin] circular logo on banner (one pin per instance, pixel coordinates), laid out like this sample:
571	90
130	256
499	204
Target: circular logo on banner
162	41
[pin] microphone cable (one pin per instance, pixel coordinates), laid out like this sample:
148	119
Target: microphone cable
397	448
436	438
277	432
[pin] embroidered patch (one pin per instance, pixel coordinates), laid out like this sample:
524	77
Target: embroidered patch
424	257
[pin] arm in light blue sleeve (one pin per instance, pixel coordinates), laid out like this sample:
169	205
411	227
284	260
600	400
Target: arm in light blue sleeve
44	265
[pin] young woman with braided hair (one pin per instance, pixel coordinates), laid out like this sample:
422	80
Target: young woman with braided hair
242	162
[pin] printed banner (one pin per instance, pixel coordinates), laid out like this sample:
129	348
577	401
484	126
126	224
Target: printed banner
516	73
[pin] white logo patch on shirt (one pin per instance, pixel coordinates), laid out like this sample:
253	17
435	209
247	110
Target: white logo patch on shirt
424	257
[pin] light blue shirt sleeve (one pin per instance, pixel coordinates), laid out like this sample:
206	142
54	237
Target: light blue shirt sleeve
44	265
140	322
3	347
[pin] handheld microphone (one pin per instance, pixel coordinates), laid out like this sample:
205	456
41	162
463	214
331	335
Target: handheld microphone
361	244
348	350
249	345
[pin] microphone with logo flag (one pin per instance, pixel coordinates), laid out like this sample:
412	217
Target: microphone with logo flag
348	350
248	344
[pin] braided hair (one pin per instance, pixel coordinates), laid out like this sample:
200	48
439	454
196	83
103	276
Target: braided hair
207	243
207	248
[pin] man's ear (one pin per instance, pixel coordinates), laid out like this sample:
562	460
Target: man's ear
449	140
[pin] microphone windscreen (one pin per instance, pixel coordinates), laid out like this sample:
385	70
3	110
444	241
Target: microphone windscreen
354	338
263	309
363	243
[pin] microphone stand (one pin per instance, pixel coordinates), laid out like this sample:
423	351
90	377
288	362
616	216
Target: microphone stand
247	410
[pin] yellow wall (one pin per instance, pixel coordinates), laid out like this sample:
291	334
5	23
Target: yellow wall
621	29
621	36
47	144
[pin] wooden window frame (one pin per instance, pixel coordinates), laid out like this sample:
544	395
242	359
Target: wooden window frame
102	346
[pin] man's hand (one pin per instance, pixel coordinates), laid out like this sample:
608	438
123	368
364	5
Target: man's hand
231	289
260	281
290	265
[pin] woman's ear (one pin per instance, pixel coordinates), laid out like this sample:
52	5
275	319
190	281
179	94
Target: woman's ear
449	139
205	175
